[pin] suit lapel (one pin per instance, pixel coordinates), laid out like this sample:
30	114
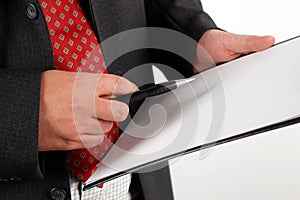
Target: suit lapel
110	17
114	16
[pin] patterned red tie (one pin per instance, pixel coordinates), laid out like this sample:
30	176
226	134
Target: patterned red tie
76	48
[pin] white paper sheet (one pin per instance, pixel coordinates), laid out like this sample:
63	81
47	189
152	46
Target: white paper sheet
245	94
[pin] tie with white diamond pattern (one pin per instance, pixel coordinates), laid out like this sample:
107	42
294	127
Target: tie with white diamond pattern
75	48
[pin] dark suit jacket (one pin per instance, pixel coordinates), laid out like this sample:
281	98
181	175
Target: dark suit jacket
26	52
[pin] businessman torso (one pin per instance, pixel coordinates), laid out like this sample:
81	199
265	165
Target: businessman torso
26	52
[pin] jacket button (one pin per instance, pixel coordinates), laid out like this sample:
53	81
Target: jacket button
31	11
58	194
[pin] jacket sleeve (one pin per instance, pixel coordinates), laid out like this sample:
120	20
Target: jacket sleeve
19	119
25	53
186	16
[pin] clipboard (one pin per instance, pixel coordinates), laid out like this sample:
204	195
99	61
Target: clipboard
260	93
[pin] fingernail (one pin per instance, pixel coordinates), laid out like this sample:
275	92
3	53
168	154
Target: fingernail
132	86
127	86
120	111
270	38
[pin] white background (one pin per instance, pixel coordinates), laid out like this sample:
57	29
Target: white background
262	17
263	167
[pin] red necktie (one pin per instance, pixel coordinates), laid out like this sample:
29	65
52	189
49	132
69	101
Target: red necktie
75	48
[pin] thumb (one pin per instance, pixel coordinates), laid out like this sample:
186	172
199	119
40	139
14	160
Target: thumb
243	44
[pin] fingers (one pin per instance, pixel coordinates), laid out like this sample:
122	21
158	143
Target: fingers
93	126
114	85
259	43
110	110
223	46
89	98
243	44
92	134
89	141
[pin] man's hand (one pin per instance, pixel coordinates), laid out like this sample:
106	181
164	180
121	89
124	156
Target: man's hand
75	111
223	46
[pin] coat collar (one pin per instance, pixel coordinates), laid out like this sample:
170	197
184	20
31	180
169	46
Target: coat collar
110	17
115	16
